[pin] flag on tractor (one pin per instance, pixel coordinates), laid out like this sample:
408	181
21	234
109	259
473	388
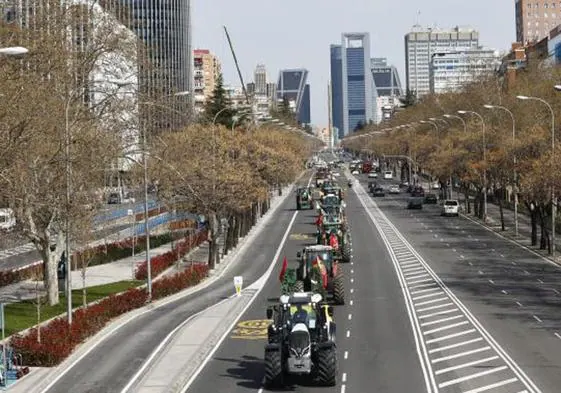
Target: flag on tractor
333	241
283	269
318	264
319	220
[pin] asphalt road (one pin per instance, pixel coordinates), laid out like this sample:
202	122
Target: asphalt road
513	293
27	254
110	366
376	348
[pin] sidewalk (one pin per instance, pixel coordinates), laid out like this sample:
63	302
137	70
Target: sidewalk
119	270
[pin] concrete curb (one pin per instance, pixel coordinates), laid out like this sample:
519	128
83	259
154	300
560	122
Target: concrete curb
86	347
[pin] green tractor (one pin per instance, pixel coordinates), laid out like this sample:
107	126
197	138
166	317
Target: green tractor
343	251
323	276
304	198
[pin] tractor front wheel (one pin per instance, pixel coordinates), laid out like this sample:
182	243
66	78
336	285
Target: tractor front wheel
346	252
327	366
273	369
338	289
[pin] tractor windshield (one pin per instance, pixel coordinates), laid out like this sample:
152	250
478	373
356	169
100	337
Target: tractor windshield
325	257
331	200
332	210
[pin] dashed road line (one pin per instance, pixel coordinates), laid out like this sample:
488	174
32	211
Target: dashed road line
346	355
348	333
441	322
537	318
519	304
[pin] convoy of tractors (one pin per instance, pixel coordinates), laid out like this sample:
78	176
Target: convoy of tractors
301	337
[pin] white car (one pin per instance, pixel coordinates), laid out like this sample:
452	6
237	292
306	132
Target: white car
355	172
451	207
394	189
373	175
435	185
388	175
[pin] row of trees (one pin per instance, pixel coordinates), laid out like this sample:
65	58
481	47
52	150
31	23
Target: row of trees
56	144
508	153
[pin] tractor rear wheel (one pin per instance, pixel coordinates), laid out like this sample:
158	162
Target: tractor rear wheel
338	289
327	366
273	369
298	206
346	251
299	286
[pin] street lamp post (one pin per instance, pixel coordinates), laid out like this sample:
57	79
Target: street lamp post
553	201
459	118
484	160
514	161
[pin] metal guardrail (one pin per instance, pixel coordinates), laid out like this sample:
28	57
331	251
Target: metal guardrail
121	213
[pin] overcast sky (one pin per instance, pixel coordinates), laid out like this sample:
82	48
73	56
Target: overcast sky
297	33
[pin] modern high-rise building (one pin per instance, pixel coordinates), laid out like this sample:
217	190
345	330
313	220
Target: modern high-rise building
206	69
535	19
451	70
260	79
387	88
421	43
352	83
336	92
292	86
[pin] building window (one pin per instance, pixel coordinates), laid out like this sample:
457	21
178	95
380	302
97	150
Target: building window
545	14
546	5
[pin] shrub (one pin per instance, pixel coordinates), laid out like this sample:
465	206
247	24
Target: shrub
160	263
8	277
58	340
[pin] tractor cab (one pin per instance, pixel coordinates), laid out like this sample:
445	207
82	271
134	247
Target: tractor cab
325	253
330	200
303	198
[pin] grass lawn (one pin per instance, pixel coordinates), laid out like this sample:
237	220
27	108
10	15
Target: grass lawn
23	315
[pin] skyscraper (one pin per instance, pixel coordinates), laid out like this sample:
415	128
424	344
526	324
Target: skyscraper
535	19
292	87
387	88
337	89
421	43
355	79
260	79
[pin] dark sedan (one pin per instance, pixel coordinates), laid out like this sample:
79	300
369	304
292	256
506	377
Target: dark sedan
431	199
378	192
415	203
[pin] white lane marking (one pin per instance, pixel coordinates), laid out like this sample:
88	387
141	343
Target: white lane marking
470	263
461	256
492	282
537	318
428	295
555	290
352	280
494	385
450	336
435	307
352	271
505	292
350	316
464	365
514	263
438	313
441	320
480	272
346	355
540	281
422	286
348	333
557	335
425	290
416	276
431	301
352	290
447	327
454	250
351	303
262	280
472	376
452	346
343	388
526	272
447	244
421	281
519	304
352	263
461	354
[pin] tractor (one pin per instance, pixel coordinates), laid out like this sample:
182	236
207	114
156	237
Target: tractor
300	341
343	249
304	198
319	271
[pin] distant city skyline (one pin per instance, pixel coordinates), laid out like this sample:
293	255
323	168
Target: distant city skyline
306	45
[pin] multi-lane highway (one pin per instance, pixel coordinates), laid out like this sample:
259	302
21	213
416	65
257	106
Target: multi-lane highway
433	304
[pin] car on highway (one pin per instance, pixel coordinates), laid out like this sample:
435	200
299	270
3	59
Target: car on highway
435	185
451	207
394	189
378	192
373	175
415	203
355	172
388	175
418	191
431	199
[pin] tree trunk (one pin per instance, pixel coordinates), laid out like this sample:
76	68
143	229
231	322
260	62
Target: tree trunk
213	245
544	236
502	214
533	222
466	195
50	266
